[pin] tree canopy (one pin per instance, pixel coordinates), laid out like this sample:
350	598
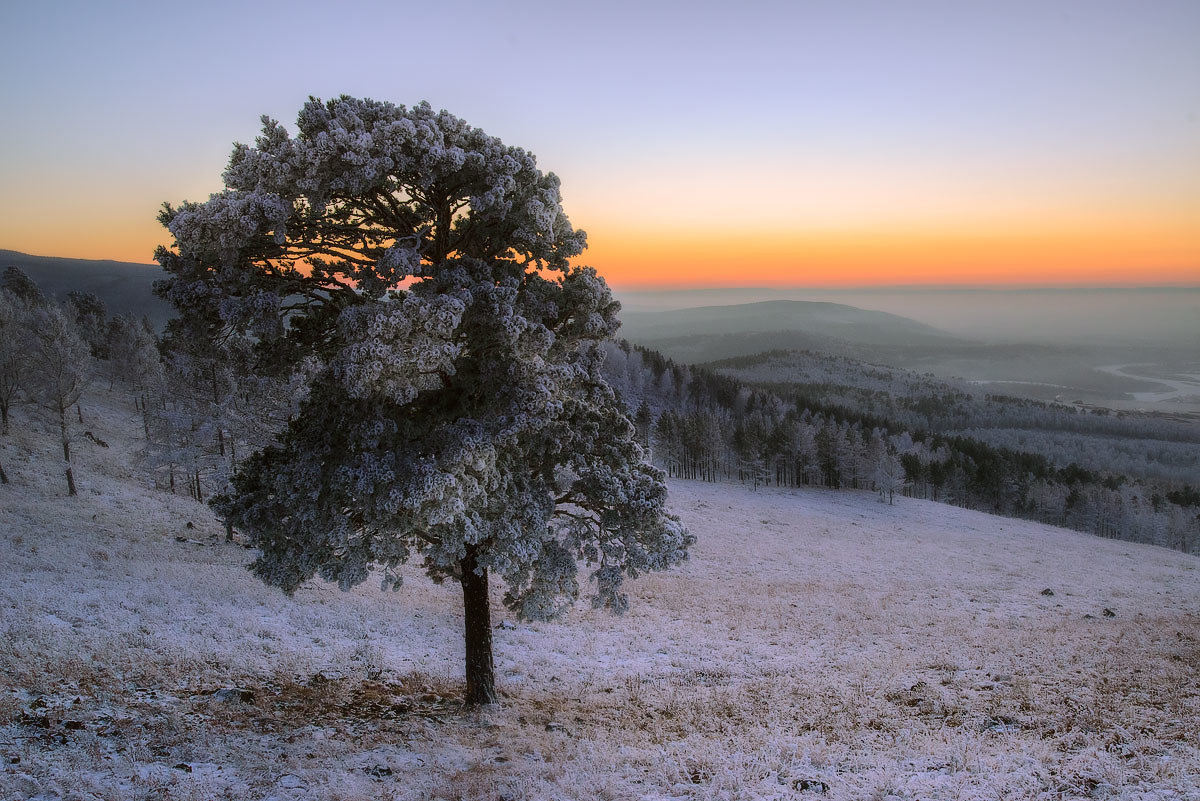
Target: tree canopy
418	271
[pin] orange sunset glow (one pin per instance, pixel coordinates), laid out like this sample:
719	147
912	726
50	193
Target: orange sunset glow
859	258
630	254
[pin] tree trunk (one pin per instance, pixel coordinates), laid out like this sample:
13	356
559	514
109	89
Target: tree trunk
477	628
66	443
4	416
4	477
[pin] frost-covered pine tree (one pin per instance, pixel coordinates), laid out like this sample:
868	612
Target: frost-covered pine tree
457	412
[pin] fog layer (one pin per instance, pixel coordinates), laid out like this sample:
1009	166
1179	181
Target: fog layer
1119	316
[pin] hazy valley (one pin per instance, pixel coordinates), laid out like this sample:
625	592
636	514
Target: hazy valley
1122	349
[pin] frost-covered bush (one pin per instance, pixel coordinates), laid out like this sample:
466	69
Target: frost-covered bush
456	411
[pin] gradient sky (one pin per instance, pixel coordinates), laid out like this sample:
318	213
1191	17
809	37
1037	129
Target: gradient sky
801	143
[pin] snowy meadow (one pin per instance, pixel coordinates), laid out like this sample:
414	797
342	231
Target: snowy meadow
816	644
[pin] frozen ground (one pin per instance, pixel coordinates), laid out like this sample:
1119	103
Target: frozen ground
817	645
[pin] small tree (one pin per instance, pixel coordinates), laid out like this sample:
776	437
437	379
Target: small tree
22	286
91	318
643	422
890	477
133	356
63	372
16	321
457	410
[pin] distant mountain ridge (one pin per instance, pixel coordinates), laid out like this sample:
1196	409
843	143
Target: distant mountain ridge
711	332
715	332
125	287
777	315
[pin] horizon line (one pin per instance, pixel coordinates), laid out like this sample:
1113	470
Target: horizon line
974	287
913	287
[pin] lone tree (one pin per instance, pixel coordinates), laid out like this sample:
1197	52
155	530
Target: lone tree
418	269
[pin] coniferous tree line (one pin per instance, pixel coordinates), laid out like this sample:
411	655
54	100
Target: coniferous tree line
920	401
702	424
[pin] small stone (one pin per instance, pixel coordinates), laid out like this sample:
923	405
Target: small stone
290	781
810	785
552	726
1047	591
1108	612
185	767
378	771
234	695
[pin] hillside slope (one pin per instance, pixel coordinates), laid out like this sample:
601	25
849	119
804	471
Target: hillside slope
717	332
126	288
817	644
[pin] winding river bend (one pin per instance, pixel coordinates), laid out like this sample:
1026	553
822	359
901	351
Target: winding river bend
1183	386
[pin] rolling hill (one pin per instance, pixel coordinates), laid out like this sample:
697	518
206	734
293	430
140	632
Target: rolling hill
719	332
123	286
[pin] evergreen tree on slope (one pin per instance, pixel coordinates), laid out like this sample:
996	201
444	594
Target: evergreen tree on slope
458	413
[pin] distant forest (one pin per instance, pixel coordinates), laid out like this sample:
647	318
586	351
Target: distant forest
844	424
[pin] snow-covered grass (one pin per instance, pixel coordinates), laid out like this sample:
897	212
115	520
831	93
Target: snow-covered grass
817	644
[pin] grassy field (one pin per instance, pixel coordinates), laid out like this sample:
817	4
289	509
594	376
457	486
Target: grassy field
817	645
